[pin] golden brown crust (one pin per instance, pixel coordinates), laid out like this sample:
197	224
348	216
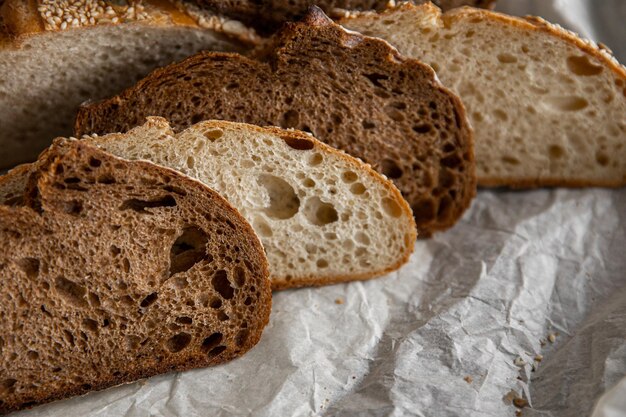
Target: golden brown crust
24	216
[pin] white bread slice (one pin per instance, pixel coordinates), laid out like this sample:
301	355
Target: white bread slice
54	55
548	109
322	216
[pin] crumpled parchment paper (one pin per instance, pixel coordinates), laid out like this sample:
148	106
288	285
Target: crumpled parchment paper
523	302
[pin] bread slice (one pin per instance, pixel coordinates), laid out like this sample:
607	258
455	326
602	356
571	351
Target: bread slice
548	108
359	95
323	216
268	15
54	56
117	270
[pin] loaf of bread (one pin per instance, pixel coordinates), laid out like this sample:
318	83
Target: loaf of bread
548	109
113	270
352	92
56	54
322	216
268	15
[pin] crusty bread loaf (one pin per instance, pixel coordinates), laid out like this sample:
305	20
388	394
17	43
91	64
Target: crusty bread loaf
116	270
323	216
547	107
268	15
354	93
54	56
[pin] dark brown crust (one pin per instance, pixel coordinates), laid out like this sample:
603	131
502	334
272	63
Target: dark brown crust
181	362
101	118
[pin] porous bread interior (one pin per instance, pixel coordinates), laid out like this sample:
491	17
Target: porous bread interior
544	111
13	184
129	270
358	95
320	214
46	76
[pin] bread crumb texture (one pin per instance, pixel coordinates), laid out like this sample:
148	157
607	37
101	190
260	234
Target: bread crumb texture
322	215
116	270
547	107
359	96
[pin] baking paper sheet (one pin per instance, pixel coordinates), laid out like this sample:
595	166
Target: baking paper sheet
456	332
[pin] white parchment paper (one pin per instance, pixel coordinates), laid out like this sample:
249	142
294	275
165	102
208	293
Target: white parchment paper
524	300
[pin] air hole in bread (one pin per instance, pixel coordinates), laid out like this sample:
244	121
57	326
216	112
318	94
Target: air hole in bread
212	341
319	212
115	250
140	206
357	188
393	113
602	158
239	276
191	162
506	58
30	266
90	324
376	79
178	342
290	119
362	238
70	291
582	66
556	151
184	320
322	263
216	351
308	182
316	159
213	134
149	300
69	338
222	316
221	284
451	161
94	162
300	144
367	124
422	128
349	176
500	114
32	355
565	103
8	386
511	160
391	169
188	249
284	203
215	303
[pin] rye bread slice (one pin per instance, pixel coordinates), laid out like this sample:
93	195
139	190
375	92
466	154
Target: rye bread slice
268	15
355	93
122	270
322	216
548	108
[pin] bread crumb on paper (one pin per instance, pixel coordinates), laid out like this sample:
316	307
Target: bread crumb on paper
468	379
339	301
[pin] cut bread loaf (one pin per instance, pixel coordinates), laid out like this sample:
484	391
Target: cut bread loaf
56	54
359	95
323	216
268	15
116	270
547	107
